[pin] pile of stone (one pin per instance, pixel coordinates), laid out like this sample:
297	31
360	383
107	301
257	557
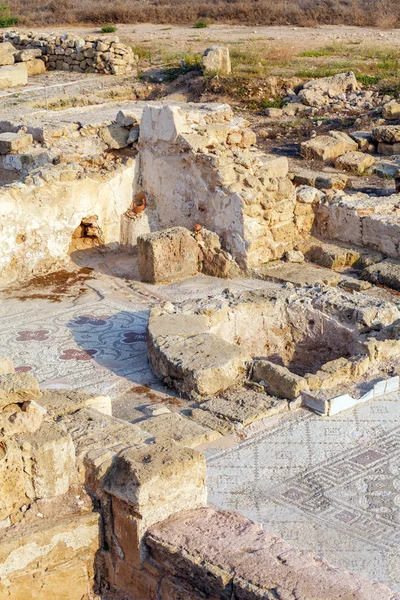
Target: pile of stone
70	52
340	91
387	139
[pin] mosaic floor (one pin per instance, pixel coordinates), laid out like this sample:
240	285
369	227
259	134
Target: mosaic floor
329	486
97	341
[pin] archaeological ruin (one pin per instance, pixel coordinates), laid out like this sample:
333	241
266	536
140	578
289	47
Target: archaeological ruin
200	342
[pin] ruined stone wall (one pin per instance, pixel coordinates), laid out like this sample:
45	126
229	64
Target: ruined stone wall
199	166
372	222
38	221
73	53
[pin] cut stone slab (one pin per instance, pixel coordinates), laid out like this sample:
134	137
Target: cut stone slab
12	478
386	273
18	74
28	54
91	430
14	142
278	380
211	421
64	402
244	406
35	67
201	365
18	387
243	561
338	256
355	161
167	255
328	147
320	179
363	139
175	427
184	325
305	274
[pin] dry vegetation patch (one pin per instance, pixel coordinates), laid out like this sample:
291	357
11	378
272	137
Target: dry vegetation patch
381	13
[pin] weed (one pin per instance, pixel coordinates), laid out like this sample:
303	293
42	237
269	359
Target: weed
107	28
200	24
6	19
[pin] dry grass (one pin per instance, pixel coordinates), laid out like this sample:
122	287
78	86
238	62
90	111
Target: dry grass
380	13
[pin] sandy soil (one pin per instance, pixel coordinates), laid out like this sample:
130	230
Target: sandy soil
296	37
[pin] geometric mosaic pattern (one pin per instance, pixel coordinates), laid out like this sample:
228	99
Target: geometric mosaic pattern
328	486
359	489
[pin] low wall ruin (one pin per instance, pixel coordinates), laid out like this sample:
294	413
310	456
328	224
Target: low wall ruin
94	507
73	53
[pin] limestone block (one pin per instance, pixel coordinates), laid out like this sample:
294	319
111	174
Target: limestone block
358	162
132	228
386	273
49	461
7	52
91	430
167	255
183	431
127	118
363	139
244	406
17	73
18	387
216	59
278	381
328	147
389	134
201	365
6	365
211	421
14	142
183	325
147	484
334	85
49	559
274	166
64	402
28	54
35	67
163	124
391	111
388	149
114	136
5	80
12	483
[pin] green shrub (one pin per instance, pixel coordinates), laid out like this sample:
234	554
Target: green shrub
200	24
107	28
7	20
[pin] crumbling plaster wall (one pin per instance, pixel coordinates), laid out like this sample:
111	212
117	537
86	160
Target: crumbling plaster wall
37	222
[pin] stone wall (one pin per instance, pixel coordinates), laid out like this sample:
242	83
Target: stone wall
38	221
69	52
199	165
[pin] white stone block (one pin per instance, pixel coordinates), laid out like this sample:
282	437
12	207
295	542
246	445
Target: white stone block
392	384
379	388
340	403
